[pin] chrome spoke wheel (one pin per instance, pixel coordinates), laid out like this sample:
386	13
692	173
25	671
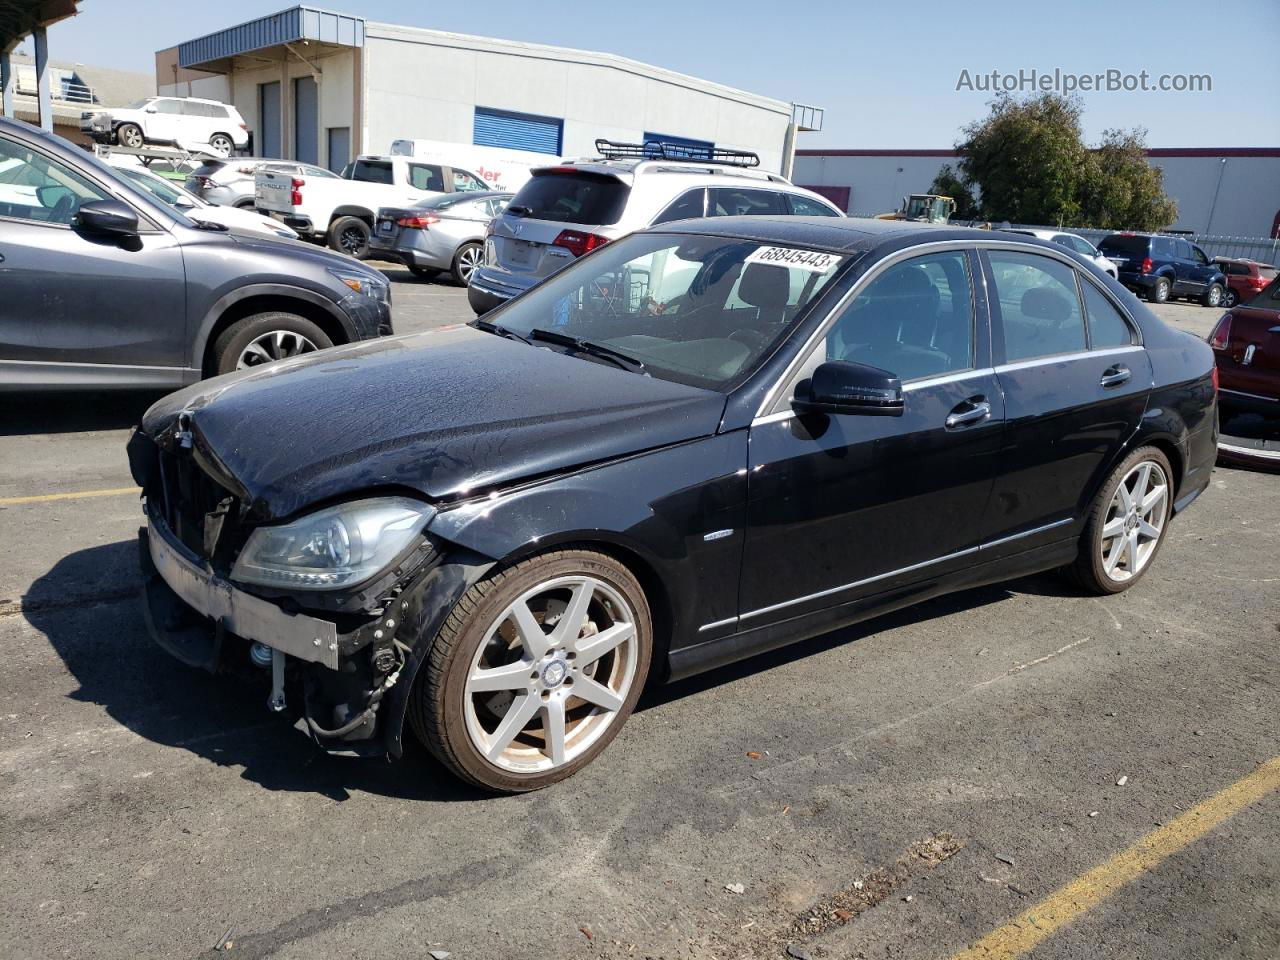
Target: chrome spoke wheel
551	675
272	346
1135	521
468	261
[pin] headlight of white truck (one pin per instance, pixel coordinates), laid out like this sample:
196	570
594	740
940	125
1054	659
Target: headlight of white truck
332	548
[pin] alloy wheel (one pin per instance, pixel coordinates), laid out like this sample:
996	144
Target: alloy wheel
1135	521
468	262
272	346
131	137
222	145
1215	295
553	672
351	240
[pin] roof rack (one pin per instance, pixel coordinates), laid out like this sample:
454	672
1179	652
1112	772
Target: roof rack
665	150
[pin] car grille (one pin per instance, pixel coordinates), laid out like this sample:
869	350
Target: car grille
186	498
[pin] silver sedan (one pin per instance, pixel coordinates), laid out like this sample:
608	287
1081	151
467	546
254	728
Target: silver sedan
438	234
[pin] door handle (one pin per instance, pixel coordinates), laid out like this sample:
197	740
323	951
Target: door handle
1114	376
971	411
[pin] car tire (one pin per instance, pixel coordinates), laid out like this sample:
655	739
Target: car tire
424	273
1124	531
1213	296
222	144
130	135
1230	298
350	235
504	737
466	261
1160	292
265	338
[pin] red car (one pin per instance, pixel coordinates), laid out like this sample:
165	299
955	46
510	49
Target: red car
1245	279
1246	347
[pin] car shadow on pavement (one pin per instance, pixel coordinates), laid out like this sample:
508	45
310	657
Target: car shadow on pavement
103	642
24	414
1044	584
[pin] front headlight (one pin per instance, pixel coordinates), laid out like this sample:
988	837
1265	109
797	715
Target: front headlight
332	548
374	289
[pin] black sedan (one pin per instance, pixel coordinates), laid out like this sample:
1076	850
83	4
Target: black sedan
697	443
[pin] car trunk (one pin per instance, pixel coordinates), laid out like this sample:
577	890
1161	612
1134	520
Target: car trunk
561	213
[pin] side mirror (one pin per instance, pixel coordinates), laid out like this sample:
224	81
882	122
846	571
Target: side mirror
109	217
840	386
149	109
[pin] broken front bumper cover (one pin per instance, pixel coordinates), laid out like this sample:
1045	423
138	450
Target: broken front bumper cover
181	575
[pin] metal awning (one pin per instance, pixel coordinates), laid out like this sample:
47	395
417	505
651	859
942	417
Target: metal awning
214	52
20	18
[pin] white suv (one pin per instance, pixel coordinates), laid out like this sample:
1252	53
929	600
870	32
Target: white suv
181	120
571	208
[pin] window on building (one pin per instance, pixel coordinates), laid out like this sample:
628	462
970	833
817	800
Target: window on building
517	131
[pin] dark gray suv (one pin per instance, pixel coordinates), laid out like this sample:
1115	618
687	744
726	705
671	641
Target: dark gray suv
106	287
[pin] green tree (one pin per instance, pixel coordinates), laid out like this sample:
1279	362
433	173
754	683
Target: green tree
1027	158
948	184
1121	190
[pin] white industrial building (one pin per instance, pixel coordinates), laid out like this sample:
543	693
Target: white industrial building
1224	191
323	87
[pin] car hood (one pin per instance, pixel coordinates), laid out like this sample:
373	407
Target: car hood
451	414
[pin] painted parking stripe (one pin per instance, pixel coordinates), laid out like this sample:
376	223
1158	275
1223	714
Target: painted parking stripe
1084	893
46	497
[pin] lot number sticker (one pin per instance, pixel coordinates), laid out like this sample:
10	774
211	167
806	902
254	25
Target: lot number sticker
793	257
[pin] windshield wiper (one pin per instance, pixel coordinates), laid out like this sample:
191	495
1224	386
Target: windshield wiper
208	225
591	348
498	329
518	210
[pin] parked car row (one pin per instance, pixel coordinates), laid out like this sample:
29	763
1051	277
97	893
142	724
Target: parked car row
148	293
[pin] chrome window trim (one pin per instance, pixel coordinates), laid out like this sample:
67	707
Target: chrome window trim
968	551
906	253
1064	358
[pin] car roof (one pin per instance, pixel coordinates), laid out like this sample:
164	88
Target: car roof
833	234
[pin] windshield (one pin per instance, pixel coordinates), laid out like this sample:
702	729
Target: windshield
159	188
137	104
698	310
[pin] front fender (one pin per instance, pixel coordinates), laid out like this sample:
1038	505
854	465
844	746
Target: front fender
424	611
207	323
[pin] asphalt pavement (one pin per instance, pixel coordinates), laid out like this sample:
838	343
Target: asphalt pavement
1018	767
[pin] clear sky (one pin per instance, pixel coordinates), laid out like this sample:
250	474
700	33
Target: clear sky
885	71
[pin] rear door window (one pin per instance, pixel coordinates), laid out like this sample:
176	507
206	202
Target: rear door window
1039	305
808	207
426	176
690	204
739	202
572	197
1107	326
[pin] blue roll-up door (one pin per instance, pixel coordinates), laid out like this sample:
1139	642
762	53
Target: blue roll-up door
517	131
694	149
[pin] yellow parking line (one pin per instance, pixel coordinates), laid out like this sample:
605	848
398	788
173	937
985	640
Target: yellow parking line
46	497
1088	890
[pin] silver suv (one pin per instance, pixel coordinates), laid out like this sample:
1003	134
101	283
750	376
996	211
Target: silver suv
571	208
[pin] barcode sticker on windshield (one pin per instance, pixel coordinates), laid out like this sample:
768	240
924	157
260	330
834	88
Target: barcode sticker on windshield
793	257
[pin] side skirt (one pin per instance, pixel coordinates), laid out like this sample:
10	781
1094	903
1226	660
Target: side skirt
697	658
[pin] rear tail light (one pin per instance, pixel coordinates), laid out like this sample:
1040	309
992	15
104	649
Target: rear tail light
295	196
1259	283
1146	264
577	242
1221	333
244	126
417	223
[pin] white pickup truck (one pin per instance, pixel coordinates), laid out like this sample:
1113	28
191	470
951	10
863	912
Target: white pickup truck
341	211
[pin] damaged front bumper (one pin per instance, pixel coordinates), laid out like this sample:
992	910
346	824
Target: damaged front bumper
337	672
